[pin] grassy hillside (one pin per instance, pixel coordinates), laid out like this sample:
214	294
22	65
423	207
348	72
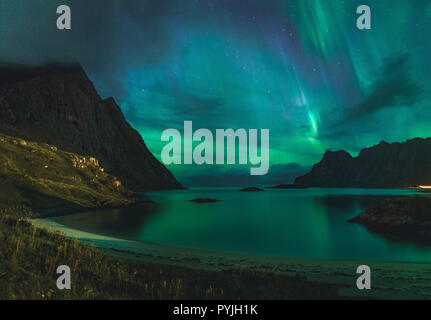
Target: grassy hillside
39	179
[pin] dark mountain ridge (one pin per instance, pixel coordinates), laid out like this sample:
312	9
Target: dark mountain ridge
386	165
58	105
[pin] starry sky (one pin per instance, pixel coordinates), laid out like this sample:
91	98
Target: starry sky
300	68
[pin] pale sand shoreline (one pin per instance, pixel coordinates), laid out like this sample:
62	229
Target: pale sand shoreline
390	280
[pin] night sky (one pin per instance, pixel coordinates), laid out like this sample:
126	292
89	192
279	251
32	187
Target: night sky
299	68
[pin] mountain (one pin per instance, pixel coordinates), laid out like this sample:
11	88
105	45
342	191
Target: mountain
59	105
386	165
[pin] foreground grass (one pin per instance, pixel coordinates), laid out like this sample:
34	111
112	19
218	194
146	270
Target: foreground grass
29	257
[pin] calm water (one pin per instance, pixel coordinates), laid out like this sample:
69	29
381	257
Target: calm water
293	223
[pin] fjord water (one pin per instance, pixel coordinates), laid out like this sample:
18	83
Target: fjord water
296	223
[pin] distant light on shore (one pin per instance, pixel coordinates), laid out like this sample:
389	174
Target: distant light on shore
424	187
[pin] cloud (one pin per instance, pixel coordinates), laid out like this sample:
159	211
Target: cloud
100	38
98	31
395	87
172	110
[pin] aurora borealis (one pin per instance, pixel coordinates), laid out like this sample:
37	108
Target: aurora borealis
299	68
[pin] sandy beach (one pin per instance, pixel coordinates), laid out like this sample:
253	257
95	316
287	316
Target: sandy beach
390	280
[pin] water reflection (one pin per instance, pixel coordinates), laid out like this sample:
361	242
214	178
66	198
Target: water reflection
295	223
121	223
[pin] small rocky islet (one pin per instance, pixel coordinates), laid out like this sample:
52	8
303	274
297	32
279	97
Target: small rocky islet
408	218
287	186
252	189
204	200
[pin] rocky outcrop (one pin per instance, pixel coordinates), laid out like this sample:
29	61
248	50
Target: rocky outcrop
407	217
286	186
251	189
395	165
59	105
49	181
204	200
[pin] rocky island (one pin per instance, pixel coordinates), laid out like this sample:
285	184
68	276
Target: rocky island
204	200
252	189
287	186
407	217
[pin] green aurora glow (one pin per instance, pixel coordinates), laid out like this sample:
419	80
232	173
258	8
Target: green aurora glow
300	68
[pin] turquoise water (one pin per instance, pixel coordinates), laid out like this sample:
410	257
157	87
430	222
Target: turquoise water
302	223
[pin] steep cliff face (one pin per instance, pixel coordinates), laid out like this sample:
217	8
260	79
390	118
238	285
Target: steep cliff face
395	165
59	105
